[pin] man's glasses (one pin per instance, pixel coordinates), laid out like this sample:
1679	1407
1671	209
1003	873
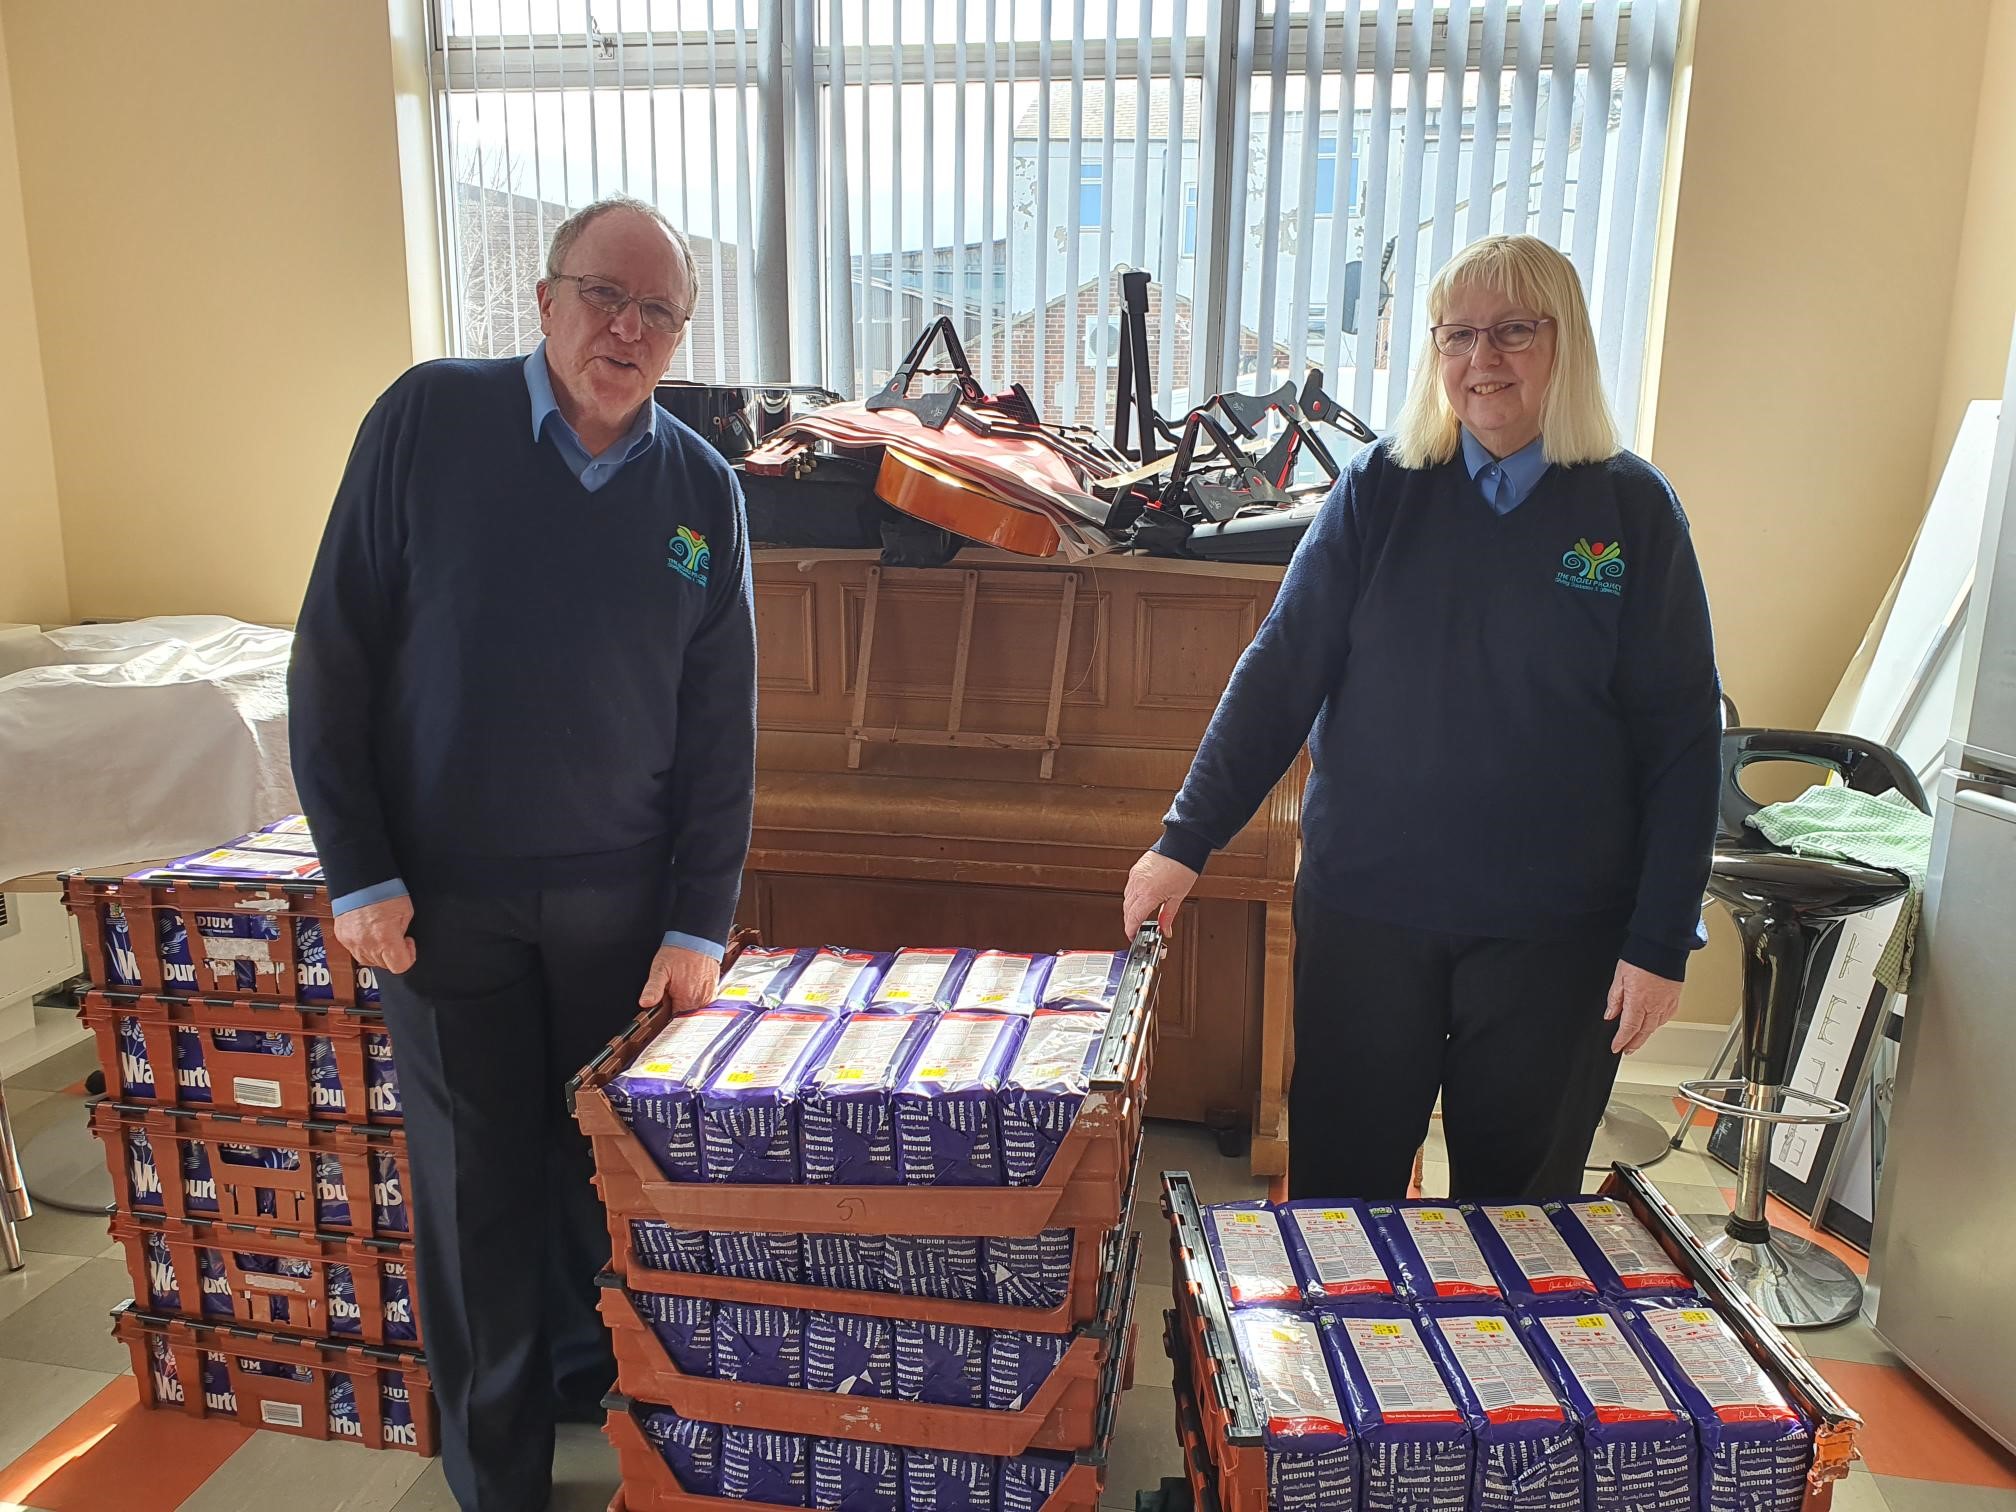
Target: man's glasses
612	299
1506	336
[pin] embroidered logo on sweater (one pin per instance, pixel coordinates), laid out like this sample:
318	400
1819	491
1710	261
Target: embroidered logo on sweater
1593	567
690	556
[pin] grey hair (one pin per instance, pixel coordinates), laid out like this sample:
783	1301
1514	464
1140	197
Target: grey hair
572	227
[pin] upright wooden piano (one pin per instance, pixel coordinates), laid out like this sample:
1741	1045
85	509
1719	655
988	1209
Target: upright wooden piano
978	753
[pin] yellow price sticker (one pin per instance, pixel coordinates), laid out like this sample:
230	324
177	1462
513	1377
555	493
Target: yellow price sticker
739	1078
1602	1210
1592	1322
1490	1325
897	995
1433	1215
1518	1215
1697	1315
1282	1336
933	1073
1245	1217
1337	1215
1386	1330
848	1073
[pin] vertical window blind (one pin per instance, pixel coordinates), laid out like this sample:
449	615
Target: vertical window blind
1290	172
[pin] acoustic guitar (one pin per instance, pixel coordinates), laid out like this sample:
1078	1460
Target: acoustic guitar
937	497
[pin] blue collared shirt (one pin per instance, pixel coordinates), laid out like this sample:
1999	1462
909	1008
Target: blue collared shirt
1506	482
593	472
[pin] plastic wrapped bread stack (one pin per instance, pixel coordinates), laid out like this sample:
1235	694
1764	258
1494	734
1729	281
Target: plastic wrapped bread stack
869	1214
253	1129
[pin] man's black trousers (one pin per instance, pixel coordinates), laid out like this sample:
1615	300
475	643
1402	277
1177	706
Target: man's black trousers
1510	1032
508	997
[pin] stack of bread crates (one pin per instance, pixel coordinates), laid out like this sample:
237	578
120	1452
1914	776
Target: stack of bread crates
251	1124
869	1220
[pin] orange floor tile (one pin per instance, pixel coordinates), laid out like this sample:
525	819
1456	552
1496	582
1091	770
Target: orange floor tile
1909	1430
88	1462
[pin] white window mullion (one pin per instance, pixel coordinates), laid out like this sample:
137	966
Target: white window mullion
1525	113
1637	302
1624	191
1109	204
928	186
1231	253
1449	134
1074	196
1306	209
991	358
961	302
1596	87
1344	214
1407	251
1484	131
1171	261
1270	200
1560	122
842	369
1378	165
1040	255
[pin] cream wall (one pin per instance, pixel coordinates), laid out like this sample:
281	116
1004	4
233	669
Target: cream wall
217	237
32	587
1984	275
1819	217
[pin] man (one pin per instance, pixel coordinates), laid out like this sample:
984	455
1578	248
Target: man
523	700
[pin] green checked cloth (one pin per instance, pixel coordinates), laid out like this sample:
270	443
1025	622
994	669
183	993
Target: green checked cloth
1886	832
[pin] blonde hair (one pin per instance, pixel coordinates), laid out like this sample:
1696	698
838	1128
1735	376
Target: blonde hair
1575	421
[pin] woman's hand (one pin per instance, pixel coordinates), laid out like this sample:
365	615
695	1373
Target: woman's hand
1640	1001
1156	888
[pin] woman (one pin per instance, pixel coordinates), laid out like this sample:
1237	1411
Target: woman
1495	640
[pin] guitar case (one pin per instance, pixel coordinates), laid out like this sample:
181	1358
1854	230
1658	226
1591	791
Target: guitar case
833	507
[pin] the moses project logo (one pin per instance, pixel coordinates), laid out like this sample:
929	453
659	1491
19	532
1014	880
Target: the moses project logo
689	556
1593	566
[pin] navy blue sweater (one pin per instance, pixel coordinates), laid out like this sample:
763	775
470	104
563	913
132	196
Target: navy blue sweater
1512	719
502	680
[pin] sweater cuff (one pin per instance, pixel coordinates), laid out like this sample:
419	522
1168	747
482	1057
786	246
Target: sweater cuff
1660	960
1185	847
701	916
695	944
364	897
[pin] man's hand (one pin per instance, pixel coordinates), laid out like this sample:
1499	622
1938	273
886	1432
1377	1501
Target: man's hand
687	977
376	935
1156	888
1641	1002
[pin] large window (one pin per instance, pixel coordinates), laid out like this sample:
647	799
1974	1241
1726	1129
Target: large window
849	170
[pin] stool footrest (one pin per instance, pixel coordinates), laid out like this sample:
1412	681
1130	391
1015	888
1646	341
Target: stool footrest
1732	1098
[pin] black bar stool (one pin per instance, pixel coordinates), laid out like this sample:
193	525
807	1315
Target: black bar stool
1784	907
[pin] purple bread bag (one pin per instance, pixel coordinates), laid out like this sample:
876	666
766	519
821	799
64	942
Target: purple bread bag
1754	1448
850	1355
1044	1088
1527	1252
946	1267
1027	1272
1087	981
847	1136
1526	1458
1029	1480
849	1475
748	1109
1637	1441
938	1480
1413	1442
847	1262
759	1346
948	1118
1251	1255
921	980
1616	1250
655	1094
1018	1364
691	1449
1312	1455
756	1257
1003	981
1330	1245
661	1247
1431	1253
941	1363
760	977
836	981
684	1325
764	1467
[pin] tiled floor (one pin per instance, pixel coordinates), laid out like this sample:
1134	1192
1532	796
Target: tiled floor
74	1439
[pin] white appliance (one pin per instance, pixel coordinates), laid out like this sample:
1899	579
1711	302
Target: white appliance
1946	1214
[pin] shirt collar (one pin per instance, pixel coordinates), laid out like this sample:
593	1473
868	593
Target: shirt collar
1522	469
539	384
